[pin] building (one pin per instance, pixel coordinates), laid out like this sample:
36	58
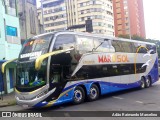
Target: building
100	11
28	18
40	21
61	14
54	15
129	17
10	43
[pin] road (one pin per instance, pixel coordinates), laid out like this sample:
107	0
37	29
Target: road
133	100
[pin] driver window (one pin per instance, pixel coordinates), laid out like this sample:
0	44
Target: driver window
64	41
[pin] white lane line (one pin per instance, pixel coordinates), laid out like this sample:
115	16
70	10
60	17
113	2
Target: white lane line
139	101
118	98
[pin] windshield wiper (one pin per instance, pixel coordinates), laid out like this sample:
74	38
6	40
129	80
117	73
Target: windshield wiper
99	45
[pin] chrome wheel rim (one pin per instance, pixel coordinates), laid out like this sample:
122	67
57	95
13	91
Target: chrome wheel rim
93	93
78	95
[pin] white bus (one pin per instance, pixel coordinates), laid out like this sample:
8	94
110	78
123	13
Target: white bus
60	67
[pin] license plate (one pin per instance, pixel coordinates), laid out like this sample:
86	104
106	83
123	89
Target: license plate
25	106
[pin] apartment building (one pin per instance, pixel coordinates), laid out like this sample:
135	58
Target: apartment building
129	17
28	18
54	15
100	11
40	21
61	14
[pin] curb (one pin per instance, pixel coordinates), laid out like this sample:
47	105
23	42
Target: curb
9	103
4	105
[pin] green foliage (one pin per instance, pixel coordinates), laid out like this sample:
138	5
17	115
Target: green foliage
136	37
124	36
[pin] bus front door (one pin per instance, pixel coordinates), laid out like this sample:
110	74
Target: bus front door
57	80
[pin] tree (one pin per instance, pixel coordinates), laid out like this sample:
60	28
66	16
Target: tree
134	37
137	37
124	36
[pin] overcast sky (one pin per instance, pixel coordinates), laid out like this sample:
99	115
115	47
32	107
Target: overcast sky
152	18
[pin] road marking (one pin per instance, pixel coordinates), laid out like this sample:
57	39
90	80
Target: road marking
139	101
118	98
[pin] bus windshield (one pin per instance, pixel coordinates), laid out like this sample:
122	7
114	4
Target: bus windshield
28	79
35	47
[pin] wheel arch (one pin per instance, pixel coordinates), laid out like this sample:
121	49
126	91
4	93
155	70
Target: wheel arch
150	77
84	88
97	84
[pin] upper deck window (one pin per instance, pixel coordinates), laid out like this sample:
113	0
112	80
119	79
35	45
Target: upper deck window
151	48
132	47
36	46
64	41
84	44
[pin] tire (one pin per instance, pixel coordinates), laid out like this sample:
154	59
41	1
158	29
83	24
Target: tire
93	93
148	82
142	85
79	95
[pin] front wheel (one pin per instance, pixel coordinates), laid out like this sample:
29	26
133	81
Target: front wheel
93	93
79	95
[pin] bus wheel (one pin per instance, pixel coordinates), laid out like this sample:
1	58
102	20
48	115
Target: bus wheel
142	83
148	82
93	93
79	95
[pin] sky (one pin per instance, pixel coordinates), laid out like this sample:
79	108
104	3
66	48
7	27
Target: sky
152	18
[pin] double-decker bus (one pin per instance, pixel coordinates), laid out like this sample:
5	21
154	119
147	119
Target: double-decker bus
65	66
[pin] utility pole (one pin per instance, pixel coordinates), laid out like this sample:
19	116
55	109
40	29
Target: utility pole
129	21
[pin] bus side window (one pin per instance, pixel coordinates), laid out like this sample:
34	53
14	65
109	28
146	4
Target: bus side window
104	47
142	50
84	44
64	41
117	46
152	48
133	48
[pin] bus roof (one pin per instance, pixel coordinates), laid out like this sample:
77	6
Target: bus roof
95	35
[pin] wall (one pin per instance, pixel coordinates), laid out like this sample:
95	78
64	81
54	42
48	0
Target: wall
10	45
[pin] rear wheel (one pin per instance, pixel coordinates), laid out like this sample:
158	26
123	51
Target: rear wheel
79	95
148	82
93	93
142	84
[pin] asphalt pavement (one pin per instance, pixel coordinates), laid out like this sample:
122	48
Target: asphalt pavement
147	99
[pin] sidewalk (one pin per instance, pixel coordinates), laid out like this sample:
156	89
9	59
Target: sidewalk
8	99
